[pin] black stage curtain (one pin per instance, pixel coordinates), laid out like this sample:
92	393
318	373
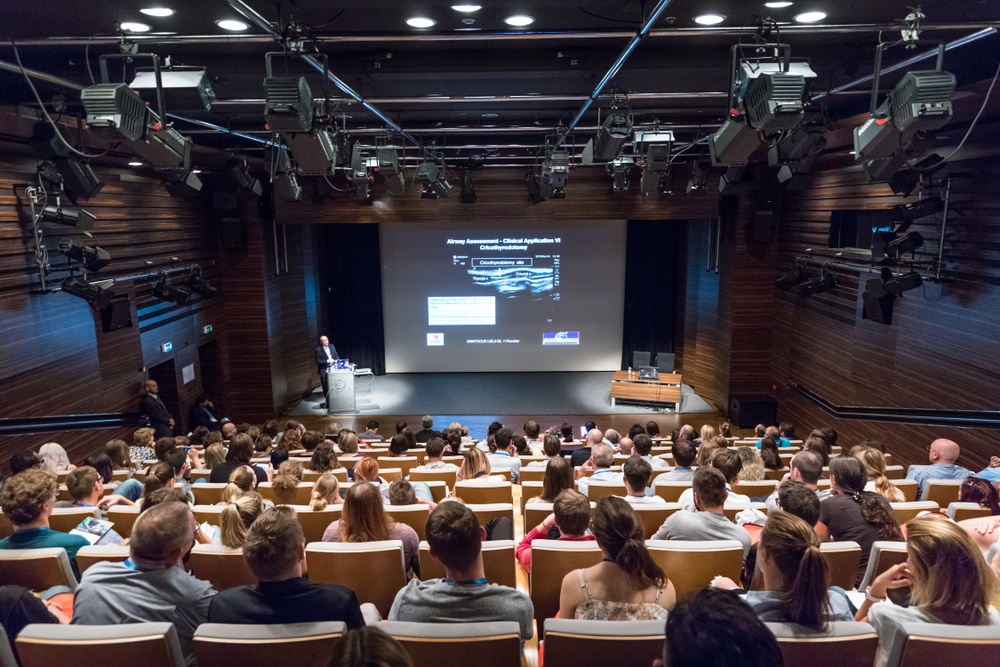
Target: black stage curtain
650	276
354	282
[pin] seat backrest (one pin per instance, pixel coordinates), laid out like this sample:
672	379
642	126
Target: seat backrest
841	643
146	644
446	475
486	512
938	644
436	644
943	491
535	513
414	516
906	511
221	566
641	358
843	560
65	519
314	523
665	362
908	487
208	493
300	495
653	516
551	560
884	555
671	491
498	562
894	472
418	452
691	566
532	474
962	511
764	487
6	652
404	463
479	493
529	490
200	473
390	474
598	490
277	644
573	643
373	570
731	510
312	475
123	516
36	569
97	553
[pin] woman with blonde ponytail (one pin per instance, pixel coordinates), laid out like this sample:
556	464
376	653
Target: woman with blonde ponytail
877	481
326	492
627	585
236	517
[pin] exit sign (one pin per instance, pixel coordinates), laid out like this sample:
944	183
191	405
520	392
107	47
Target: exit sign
167	347
207	329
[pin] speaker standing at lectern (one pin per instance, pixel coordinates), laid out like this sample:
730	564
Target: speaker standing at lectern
326	354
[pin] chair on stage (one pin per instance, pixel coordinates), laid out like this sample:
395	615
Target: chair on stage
665	362
496	644
573	643
640	359
267	645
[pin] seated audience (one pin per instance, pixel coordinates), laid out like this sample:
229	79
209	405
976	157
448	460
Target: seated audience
54	457
819	445
980	491
86	488
236	518
874	462
434	454
774	434
24	460
278	456
769	454
101	462
708	521
582	455
117	451
636	473
601	459
240	452
142	446
684	454
501	455
477	466
942	455
551	449
309	440
464	595
705	453
241	480
566	433
370	434
347	443
182	470
532	432
726	430
794	498
713	628
796	577
19	608
369	647
805	467
752	466
28	498
557	478
627	585
570	518
625	446
726	461
851	513
949	583
403	492
326	492
364	519
991	473
454	440
643	446
151	586
652	429
426	431
366	470
324	459
159	476
275	549
288	476
707	432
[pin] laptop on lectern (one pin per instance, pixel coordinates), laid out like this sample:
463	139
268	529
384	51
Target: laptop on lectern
648	373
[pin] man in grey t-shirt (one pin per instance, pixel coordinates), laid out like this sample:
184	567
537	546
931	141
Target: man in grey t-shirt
463	596
707	522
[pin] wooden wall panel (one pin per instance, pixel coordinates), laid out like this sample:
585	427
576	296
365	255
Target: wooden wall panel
697	308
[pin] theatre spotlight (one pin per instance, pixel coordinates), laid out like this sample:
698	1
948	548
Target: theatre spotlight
93	258
794	277
165	292
69	216
824	283
315	152
620	169
71	173
198	285
699	174
907	213
434	182
115	106
98	297
772	96
468	195
239	172
614	132
733	143
360	176
535	195
285	183
655	161
288	104
899	284
555	173
911	243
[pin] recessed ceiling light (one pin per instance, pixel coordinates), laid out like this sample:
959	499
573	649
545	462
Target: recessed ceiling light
132	26
810	17
489	115
778	5
519	20
421	22
466	9
232	25
158	12
709	19
467	29
135	163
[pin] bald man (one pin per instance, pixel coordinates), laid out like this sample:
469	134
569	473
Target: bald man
160	419
942	455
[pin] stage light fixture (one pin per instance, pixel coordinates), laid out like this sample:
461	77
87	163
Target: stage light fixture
97	296
824	283
288	104
733	144
169	152
360	176
910	242
434	182
315	152
285	183
923	208
656	146
793	278
555	173
68	216
115	106
166	292
239	172
93	258
72	174
198	285
772	96
468	195
899	284
183	87
614	132
699	174
620	168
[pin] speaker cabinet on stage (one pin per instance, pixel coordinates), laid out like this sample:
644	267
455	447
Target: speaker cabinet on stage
340	396
748	410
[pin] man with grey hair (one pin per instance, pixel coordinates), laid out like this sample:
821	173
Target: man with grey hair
426	431
612	437
602	457
151	586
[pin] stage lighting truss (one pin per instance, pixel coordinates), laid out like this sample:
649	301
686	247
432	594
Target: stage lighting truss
431	177
654	148
92	258
899	129
164	291
555	172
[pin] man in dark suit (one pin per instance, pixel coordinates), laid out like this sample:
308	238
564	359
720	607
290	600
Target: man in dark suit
427	430
326	354
203	414
159	417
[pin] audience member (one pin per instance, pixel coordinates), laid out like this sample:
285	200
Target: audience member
705	453
86	488
752	466
288	477
636	473
566	432
684	453
551	448
464	595
117	451
477	466
707	432
806	467
794	498
240	452
310	440
626	446
364	519
726	461
652	429
151	586
54	457
582	455
532	431
326	492
500	456
942	455
371	432
643	446
24	460
601	459
612	437
570	519
769	454
708	522
774	434
627	585
874	462
557	478
130	489
688	433
324	459
991	473
278	456
347	443
369	647
426	431
159	476
19	608
980	491
236	518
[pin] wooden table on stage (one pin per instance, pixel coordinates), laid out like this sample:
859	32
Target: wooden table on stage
666	389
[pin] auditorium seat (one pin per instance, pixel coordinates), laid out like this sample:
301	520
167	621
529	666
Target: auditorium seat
436	644
884	555
267	645
300	495
145	644
573	643
653	516
476	492
36	569
962	511
312	475
906	511
420	453
938	644
404	463
209	514
598	490
349	461
498	561
439	490
414	516
732	510
895	472
449	477
671	491
390	474
65	519
841	643
908	487
99	553
6	652
656	473
221	566
777	475
843	560
691	566
208	493
532	474
943	491
528	490
551	560
486	512
119	476
373	570
760	489
314	523
123	517
200	473
63	492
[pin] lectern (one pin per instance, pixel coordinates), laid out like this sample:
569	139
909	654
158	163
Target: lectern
340	396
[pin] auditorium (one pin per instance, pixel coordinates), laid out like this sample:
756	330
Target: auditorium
569	333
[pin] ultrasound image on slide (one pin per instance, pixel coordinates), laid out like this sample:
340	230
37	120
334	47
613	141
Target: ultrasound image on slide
535	278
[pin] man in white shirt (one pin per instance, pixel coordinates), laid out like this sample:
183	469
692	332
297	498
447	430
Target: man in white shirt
501	455
637	471
435	453
601	459
643	445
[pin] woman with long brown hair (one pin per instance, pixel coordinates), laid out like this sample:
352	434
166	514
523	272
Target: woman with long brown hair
364	519
558	477
627	585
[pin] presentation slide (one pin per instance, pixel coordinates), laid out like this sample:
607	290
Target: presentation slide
503	298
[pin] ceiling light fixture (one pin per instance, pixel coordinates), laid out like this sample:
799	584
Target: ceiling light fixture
519	20
810	17
135	163
420	22
232	25
133	26
466	9
158	12
778	5
709	19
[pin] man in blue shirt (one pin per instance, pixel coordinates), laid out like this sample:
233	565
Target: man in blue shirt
992	473
773	433
942	455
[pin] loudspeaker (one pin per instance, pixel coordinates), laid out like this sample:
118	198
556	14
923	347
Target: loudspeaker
117	315
763	225
748	410
232	232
